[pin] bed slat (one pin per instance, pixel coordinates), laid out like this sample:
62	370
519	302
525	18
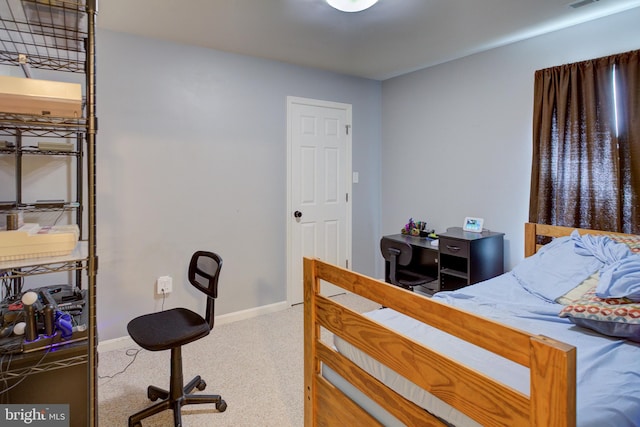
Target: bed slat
403	409
336	409
506	341
485	400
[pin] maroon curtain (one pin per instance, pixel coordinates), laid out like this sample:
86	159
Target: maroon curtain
586	152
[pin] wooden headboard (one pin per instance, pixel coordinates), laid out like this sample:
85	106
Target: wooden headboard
532	231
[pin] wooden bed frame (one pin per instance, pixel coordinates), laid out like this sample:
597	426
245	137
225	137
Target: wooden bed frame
552	364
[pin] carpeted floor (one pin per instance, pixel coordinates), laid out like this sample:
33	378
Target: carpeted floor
255	364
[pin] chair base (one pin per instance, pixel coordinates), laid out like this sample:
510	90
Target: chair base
177	396
154	393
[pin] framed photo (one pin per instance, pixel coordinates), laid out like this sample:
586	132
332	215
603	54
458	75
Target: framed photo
473	224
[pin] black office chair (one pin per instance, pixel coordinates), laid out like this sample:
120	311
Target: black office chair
171	329
399	254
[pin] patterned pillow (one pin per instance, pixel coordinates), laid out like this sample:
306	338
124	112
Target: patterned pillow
633	241
578	292
615	317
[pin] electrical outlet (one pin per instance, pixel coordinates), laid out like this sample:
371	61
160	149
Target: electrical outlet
164	285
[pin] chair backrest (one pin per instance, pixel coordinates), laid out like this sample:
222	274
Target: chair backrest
396	253
393	250
204	270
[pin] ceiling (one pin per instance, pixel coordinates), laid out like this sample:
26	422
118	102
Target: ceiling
392	38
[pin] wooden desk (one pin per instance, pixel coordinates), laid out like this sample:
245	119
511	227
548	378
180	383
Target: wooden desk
461	258
424	260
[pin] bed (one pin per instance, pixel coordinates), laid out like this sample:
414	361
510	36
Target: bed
494	353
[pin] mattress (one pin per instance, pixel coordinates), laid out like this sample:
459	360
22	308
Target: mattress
608	382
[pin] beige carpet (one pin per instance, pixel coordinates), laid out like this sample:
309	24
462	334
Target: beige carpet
255	364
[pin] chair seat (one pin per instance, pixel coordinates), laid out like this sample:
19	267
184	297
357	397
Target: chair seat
410	279
167	329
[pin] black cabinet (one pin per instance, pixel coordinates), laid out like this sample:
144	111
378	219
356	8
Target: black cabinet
460	259
58	376
467	258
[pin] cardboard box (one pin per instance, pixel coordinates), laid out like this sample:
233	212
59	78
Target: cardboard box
33	241
40	97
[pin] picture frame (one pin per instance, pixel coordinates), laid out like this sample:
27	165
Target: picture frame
473	224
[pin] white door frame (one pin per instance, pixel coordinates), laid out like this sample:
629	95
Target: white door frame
291	100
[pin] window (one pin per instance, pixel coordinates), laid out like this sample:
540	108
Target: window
586	144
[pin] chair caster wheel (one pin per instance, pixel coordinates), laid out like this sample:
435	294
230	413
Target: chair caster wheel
152	397
221	406
138	424
201	385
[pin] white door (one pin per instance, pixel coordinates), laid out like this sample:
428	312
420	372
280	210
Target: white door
319	188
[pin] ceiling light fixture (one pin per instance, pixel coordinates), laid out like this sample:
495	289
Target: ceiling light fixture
351	5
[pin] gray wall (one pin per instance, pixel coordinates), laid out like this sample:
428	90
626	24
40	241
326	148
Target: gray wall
192	155
456	138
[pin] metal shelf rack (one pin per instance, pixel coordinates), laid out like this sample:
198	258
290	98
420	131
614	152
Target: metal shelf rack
58	35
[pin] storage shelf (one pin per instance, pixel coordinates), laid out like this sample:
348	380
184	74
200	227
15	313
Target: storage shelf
12	124
76	260
46	34
37	152
456	273
32	208
44	366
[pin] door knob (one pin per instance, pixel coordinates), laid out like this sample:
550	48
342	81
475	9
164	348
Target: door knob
297	214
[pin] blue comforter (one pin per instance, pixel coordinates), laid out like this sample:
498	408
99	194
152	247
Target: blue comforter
608	369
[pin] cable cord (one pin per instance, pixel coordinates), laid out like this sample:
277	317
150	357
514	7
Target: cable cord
131	352
55	222
5	381
6	285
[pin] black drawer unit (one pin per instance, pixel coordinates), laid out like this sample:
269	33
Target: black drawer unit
459	248
467	257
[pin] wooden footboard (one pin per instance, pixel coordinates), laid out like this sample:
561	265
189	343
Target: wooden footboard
551	363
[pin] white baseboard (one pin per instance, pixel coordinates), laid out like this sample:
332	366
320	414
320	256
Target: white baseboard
115	344
126	341
251	312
